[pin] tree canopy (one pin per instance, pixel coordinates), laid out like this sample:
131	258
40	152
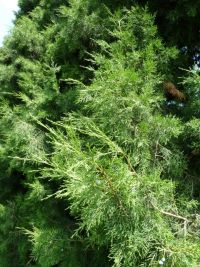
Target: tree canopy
99	165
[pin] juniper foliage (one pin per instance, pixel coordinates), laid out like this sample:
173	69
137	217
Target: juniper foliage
98	168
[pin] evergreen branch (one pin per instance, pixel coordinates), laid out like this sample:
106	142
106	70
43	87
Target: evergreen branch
38	160
72	81
133	172
104	174
176	216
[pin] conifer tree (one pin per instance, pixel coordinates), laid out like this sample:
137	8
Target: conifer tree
98	168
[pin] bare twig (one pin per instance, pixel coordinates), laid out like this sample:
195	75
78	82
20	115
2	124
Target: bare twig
171	214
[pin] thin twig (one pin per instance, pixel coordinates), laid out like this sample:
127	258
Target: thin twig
102	171
170	214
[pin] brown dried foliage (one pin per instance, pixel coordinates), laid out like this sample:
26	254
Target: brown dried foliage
171	89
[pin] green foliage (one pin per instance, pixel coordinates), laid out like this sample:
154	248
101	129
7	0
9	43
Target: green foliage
178	25
27	6
55	242
97	167
115	205
26	39
191	85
